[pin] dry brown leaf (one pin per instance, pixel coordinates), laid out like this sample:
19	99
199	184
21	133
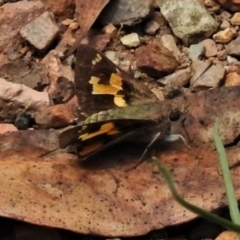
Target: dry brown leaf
201	110
52	188
88	11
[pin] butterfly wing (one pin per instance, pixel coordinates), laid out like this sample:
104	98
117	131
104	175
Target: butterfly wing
126	119
96	137
101	85
110	101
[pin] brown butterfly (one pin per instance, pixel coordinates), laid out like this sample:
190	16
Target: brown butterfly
114	107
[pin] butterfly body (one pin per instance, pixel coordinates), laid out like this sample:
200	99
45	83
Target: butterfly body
153	111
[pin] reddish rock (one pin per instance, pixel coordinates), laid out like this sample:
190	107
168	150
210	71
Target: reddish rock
110	30
232	79
155	59
3	59
61	8
13	16
60	77
15	97
233	5
6	127
55	117
99	41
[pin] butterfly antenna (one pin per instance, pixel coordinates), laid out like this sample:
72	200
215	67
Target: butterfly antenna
118	32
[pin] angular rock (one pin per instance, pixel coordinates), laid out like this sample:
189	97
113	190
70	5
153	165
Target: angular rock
225	24
198	68
235	20
231	60
155	59
111	30
41	31
232	79
67	22
233	48
224	36
189	27
16	97
55	117
210	47
159	18
126	12
230	235
168	42
225	15
180	77
175	81
151	27
60	77
74	26
211	5
222	55
61	8
12	18
6	127
234	68
196	51
233	5
130	40
211	78
113	56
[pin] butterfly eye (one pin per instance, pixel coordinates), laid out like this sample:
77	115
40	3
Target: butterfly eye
174	115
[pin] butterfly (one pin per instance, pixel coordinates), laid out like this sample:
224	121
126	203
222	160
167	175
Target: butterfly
114	107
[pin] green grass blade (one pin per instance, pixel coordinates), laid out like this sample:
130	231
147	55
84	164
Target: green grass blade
232	201
199	211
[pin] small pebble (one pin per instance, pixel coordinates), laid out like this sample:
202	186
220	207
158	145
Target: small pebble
131	40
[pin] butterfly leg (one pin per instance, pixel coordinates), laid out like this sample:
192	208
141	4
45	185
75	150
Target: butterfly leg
140	160
175	137
168	138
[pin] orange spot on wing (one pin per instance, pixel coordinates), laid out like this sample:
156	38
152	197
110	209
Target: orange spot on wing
107	128
94	80
115	84
116	81
120	101
90	148
104	89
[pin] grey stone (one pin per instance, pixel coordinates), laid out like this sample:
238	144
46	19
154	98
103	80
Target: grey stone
196	51
233	48
151	27
211	78
189	20
13	17
41	31
126	12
